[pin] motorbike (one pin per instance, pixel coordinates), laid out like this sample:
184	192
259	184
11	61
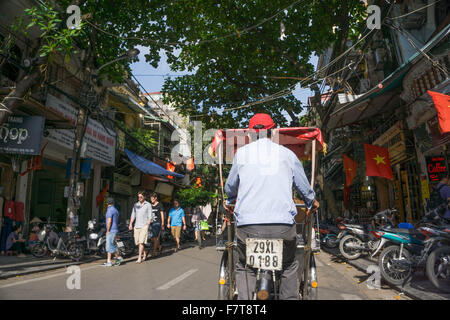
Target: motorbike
328	235
124	242
356	239
403	251
187	235
65	244
438	262
93	239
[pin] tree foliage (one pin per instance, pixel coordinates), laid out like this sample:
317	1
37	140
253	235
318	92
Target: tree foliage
194	196
242	68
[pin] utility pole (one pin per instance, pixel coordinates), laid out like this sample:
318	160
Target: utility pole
89	100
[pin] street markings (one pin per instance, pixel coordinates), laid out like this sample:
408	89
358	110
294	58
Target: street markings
177	279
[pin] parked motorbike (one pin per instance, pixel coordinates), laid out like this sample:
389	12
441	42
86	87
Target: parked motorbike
93	239
356	239
406	250
187	235
438	262
328	235
124	242
65	244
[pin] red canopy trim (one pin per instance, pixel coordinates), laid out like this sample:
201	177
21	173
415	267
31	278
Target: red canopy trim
296	139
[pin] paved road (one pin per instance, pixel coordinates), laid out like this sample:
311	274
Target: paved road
189	274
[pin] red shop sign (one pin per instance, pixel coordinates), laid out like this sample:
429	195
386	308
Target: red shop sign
436	168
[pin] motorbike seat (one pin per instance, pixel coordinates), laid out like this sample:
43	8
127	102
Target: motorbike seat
406	231
359	226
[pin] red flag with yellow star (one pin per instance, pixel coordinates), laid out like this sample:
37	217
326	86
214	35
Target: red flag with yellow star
377	162
350	167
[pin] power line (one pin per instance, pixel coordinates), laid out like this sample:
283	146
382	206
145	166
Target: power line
237	33
407	14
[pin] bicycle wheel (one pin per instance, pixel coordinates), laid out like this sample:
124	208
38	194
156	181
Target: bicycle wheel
226	281
39	250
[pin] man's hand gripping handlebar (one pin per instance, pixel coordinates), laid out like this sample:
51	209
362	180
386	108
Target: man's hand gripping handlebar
314	207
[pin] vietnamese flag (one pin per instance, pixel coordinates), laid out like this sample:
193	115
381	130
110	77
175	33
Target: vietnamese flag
101	195
442	103
190	164
350	167
377	162
170	167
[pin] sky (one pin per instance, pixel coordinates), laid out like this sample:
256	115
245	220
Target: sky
152	78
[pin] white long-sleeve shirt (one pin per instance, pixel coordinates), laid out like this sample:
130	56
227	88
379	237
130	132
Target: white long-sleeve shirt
143	214
261	180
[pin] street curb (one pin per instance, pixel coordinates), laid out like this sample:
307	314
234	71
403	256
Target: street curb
12	274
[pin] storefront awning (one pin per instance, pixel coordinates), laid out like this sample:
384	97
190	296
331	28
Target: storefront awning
149	167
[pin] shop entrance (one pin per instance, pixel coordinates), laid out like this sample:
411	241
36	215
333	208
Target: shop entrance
407	192
47	197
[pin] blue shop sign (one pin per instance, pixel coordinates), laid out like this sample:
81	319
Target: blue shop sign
22	135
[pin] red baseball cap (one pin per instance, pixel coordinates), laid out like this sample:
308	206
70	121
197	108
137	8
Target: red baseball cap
261	121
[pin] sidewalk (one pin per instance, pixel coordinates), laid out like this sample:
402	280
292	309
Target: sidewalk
419	288
13	266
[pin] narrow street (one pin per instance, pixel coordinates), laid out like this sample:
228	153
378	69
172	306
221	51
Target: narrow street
189	274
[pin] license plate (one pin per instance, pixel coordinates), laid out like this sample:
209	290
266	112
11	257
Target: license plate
340	235
120	244
265	254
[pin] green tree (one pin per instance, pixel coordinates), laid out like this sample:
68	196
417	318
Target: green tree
194	196
109	29
233	66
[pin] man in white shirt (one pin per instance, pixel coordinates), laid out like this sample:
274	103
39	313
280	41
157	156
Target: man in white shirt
143	214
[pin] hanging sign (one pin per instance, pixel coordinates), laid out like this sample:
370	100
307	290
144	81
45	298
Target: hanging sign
101	143
436	168
22	135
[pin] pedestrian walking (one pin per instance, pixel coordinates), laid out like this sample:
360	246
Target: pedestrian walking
196	218
157	223
143	215
112	220
175	221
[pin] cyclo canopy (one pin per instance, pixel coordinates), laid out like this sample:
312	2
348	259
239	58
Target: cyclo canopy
297	139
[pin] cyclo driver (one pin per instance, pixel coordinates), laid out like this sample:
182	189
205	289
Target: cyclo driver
260	182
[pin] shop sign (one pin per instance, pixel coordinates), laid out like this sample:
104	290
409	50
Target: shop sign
394	140
100	142
22	135
436	168
121	184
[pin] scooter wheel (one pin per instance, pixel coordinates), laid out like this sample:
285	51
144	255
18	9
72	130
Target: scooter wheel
350	254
